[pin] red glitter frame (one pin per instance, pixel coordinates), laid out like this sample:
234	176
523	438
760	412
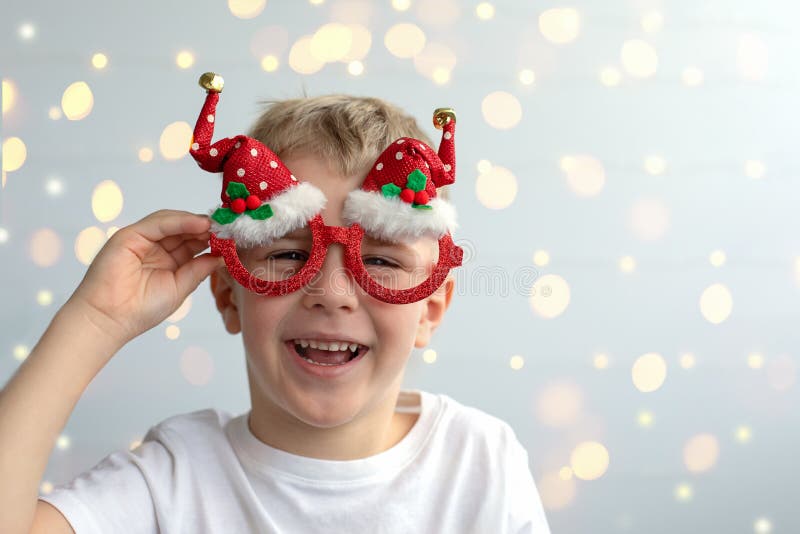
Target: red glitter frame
450	256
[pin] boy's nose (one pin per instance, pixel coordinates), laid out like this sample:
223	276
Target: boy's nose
333	286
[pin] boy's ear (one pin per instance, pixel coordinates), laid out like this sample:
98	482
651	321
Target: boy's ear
222	287
433	312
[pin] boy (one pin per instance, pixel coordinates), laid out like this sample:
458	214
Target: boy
331	443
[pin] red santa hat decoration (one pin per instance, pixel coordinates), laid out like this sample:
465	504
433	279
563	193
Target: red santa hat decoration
261	199
398	198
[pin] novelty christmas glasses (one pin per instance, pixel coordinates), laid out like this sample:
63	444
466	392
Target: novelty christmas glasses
398	244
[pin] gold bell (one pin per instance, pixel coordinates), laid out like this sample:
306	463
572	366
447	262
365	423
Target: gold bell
442	116
211	82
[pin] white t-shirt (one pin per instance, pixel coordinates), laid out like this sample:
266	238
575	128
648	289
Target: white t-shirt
458	470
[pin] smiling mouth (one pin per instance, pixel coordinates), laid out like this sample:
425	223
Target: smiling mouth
328	353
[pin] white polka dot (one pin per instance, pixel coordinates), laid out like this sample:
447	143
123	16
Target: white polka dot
423	147
213	152
240	173
447	167
262	185
237	145
273	164
399	155
379	166
448	135
210	118
293	178
253	152
195	146
427	164
401	141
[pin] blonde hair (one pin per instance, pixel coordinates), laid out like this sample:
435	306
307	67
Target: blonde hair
350	132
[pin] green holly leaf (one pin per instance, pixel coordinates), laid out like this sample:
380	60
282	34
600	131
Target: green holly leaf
224	216
237	190
422	206
262	212
417	180
390	190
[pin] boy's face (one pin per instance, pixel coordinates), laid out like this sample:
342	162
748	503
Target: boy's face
333	307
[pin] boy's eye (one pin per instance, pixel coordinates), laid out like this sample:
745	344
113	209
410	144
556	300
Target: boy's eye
289	255
378	261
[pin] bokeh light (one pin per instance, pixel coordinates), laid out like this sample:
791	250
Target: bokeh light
550	296
516	362
497	188
589	460
755	169
54	113
404	40
175	139
717	258
755	360
655	165
145	154
649	372
331	42
429	356
9	95
652	21
360	44
610	76
172	332
501	110
99	61
645	419
197	367
559	404
88	243
401	5
301	60
716	303
541	258
585	174
527	77
45	247
20	352
184	59
54	186
182	311
269	63
692	76
484	11
627	264
269	41
683	492
560	25
649	219
434	61
600	361
44	297
26	31
14	154
639	58
752	59
701	452
744	434
246	9
555	491
687	360
77	101
762	525
781	372
106	201
356	68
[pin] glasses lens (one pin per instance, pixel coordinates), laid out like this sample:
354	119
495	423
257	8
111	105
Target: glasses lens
399	265
279	260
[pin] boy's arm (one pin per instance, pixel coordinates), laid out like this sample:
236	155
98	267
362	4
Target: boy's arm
37	402
140	276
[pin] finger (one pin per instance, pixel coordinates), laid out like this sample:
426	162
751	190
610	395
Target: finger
190	274
165	223
188	250
174	241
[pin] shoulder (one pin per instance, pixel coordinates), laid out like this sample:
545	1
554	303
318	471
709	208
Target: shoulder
461	417
199	425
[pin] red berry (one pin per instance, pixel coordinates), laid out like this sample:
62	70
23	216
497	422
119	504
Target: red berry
421	197
253	202
238	205
407	195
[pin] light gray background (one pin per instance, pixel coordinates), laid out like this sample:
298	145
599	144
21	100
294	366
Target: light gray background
705	134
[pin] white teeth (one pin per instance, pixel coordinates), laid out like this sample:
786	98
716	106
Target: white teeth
319	363
327	345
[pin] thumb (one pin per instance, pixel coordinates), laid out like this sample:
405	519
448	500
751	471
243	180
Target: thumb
194	271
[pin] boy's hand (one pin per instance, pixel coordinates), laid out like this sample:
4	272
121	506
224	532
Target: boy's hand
144	273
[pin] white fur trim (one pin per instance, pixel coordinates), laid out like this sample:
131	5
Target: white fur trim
394	220
290	210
